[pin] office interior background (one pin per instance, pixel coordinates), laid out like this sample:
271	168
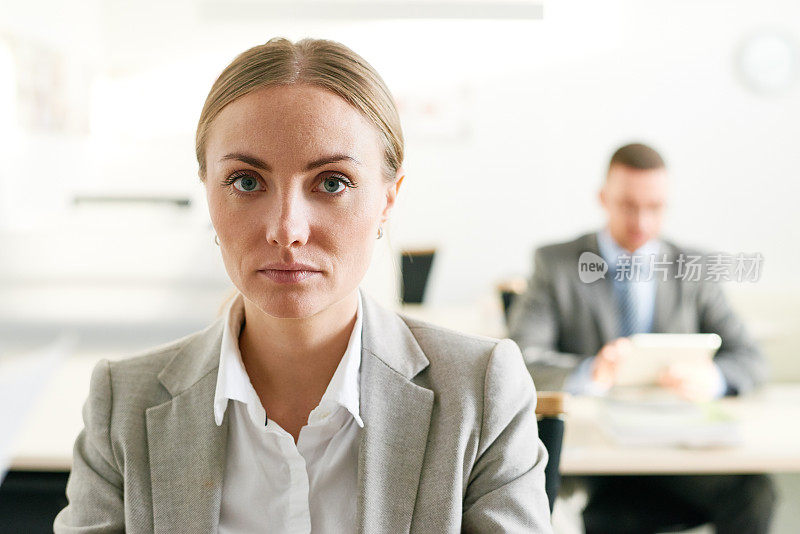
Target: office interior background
510	111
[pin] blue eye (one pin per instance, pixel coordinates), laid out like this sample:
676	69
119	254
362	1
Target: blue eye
333	185
245	183
242	183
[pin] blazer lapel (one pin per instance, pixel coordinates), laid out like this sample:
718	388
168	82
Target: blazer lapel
396	414
186	447
599	294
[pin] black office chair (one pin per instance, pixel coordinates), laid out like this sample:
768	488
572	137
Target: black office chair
550	416
509	289
30	501
415	268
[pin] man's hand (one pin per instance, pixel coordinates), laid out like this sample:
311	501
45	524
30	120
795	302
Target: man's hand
696	382
606	363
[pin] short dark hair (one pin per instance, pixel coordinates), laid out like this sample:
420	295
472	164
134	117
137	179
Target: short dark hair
637	156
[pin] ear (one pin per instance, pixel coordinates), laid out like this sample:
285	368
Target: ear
601	196
391	194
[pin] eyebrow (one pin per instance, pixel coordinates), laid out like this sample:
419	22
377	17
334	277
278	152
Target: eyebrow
261	164
333	158
250	160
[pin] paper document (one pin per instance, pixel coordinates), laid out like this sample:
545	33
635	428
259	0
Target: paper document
669	422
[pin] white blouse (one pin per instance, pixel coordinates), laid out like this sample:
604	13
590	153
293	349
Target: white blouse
270	483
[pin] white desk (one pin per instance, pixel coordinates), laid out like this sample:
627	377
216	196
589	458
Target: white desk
770	427
45	441
770	424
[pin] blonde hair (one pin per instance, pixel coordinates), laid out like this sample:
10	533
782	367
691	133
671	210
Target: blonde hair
326	64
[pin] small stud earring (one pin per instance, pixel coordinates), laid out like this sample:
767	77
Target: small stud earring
216	239
380	232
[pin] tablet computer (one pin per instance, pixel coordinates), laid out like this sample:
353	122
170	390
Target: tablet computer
653	352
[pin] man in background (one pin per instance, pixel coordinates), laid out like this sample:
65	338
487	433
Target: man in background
574	335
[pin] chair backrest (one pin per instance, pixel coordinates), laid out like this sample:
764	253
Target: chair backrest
549	414
509	289
415	266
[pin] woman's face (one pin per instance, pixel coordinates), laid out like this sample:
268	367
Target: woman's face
296	195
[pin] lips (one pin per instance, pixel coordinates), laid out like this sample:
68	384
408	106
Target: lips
289	273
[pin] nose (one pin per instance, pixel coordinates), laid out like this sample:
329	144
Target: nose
649	220
641	220
287	221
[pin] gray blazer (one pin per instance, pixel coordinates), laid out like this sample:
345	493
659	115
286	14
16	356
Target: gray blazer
560	320
449	440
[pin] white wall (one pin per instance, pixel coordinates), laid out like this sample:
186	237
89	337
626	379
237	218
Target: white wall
539	107
543	132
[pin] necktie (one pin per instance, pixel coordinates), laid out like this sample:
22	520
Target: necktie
628	308
629	312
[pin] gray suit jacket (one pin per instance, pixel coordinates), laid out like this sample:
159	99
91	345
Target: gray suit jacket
560	320
449	440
